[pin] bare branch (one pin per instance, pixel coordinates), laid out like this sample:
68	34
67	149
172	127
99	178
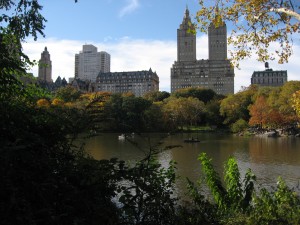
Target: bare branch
286	11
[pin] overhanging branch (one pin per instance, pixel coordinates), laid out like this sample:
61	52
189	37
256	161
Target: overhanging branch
286	11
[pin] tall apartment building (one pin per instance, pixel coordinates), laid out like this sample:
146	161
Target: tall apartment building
45	67
136	82
216	73
269	77
89	62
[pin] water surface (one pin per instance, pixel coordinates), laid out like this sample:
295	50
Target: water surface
268	158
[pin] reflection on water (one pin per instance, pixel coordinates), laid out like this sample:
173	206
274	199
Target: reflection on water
268	158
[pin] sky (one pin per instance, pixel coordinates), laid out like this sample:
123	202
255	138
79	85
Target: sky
138	34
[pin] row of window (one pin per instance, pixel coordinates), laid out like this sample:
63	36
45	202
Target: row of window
268	81
269	74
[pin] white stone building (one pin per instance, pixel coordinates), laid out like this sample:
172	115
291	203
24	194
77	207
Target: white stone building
89	62
136	82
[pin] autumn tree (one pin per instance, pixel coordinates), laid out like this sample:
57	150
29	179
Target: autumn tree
296	102
235	106
285	100
67	94
259	112
184	111
256	25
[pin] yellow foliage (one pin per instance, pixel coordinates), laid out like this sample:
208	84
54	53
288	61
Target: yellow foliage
57	102
296	102
255	24
69	104
43	103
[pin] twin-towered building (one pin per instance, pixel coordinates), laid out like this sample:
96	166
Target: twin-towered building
216	73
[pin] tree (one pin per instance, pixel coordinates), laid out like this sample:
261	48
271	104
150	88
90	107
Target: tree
296	102
155	119
194	108
239	126
256	24
19	19
203	94
285	101
235	106
259	112
212	116
126	113
157	96
67	94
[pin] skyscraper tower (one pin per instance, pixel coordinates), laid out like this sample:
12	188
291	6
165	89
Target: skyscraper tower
217	40
186	39
45	67
89	62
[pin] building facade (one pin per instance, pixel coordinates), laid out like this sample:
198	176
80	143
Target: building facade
136	82
216	73
269	77
89	62
45	67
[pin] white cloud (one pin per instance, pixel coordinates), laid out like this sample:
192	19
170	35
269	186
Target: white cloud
130	55
129	8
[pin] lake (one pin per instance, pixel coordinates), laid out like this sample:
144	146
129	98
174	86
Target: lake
268	158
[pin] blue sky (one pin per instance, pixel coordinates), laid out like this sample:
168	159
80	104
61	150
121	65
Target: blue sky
138	34
99	20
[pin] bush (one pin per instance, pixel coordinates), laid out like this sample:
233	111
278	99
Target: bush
239	126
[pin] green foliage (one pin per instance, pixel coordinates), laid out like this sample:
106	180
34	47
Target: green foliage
126	114
67	94
212	116
279	207
204	95
233	183
236	202
232	197
157	96
213	181
18	20
155	120
235	106
239	126
146	193
199	210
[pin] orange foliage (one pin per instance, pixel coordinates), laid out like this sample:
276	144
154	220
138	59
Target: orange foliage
259	112
43	103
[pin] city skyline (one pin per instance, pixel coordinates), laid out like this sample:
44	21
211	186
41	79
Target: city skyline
136	33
